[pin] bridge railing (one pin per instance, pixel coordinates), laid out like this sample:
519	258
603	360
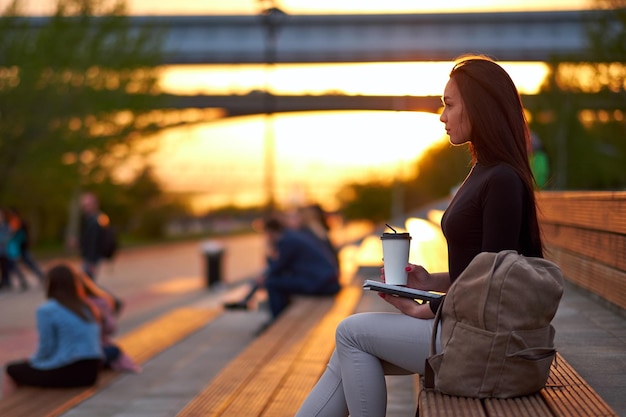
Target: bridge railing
506	36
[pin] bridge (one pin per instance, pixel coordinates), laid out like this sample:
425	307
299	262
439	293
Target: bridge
282	38
260	102
277	37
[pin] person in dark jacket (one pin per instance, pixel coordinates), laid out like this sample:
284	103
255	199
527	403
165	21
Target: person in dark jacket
90	234
300	265
297	263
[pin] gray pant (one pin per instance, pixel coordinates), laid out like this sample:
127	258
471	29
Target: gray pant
369	346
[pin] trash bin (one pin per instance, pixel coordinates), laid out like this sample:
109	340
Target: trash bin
213	253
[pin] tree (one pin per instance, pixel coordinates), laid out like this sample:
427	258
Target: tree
579	113
440	169
139	207
76	92
368	200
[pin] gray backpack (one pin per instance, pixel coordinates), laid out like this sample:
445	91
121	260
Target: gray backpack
496	336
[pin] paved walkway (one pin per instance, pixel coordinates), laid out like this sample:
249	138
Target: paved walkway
154	280
149	280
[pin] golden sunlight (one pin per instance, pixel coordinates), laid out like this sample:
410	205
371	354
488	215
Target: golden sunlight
315	153
177	285
427	244
239	7
379	78
224	162
348	6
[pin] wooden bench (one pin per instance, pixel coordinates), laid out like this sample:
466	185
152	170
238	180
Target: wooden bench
566	395
585	234
274	374
141	344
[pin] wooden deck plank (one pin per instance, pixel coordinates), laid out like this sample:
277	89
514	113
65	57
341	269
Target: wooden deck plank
276	372
434	404
148	340
222	391
532	405
42	402
257	392
312	360
141	344
568	395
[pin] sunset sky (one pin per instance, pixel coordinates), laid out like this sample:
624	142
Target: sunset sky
348	6
165	7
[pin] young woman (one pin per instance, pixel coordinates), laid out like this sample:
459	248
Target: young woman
493	210
69	352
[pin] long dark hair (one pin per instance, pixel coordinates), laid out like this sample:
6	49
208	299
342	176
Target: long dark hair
64	286
499	129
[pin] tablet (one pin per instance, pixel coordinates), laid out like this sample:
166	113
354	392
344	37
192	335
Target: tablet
401	291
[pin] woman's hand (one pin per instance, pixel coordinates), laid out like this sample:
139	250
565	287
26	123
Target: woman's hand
418	278
409	307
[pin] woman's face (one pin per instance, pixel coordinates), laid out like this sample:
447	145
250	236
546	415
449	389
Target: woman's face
454	115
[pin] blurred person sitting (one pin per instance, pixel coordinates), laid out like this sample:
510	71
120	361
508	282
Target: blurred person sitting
314	220
296	265
310	220
69	353
114	357
299	266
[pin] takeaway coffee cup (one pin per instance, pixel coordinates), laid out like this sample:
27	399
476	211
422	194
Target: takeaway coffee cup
396	257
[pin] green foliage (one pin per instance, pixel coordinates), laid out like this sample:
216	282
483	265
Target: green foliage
580	112
75	92
371	200
138	207
607	36
441	168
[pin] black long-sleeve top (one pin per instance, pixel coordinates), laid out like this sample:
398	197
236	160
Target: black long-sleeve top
490	212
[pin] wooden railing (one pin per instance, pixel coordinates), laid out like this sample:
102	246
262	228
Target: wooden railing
585	234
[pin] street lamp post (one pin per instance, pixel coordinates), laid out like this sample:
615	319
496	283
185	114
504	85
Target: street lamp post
271	19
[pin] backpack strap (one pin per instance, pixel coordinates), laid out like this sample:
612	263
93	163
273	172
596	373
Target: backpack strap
429	374
433	337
